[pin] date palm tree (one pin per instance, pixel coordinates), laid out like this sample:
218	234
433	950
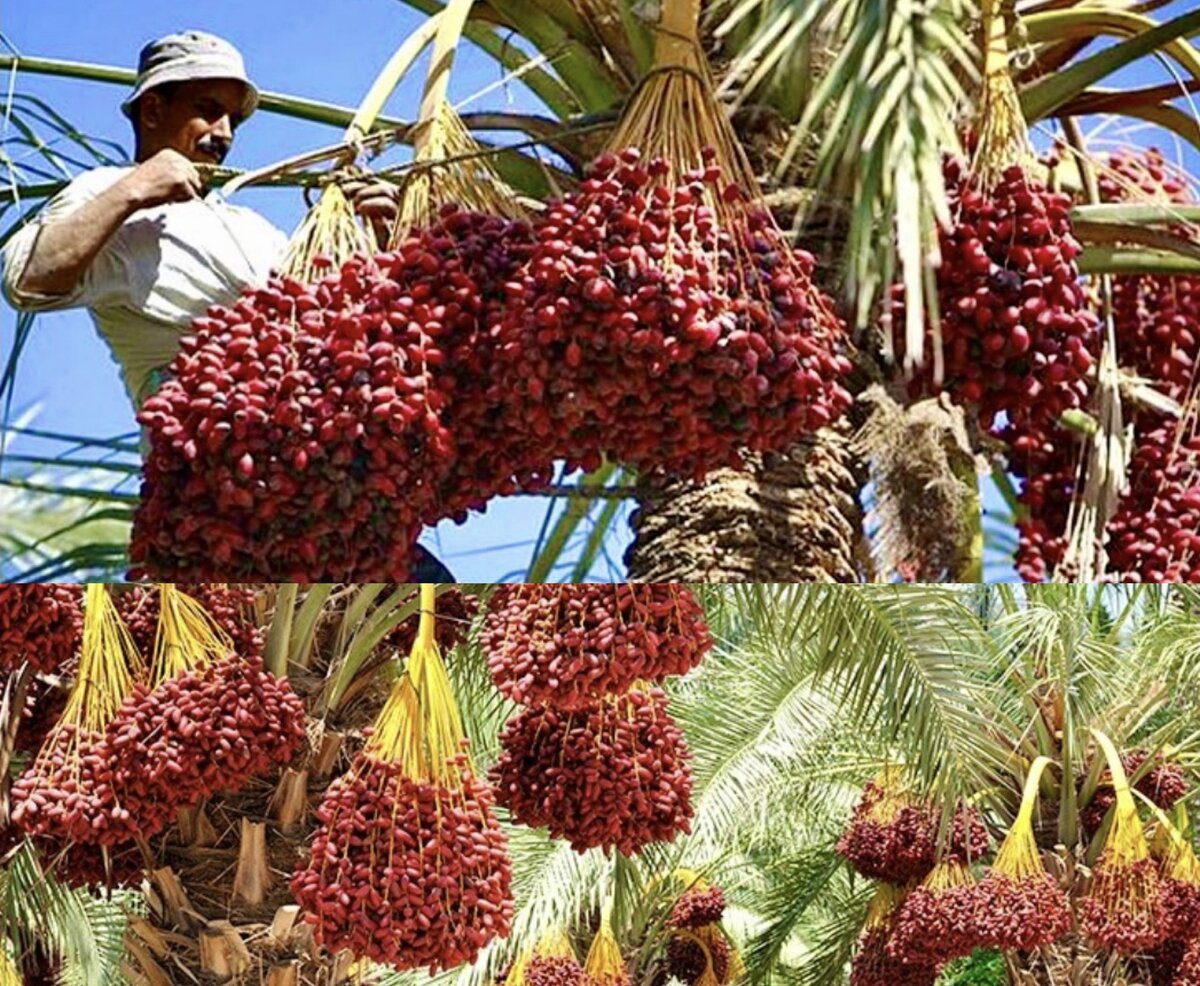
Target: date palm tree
845	108
809	692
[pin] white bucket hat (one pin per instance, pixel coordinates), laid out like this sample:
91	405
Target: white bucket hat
185	57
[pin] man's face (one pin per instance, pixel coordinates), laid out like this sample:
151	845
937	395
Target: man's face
197	119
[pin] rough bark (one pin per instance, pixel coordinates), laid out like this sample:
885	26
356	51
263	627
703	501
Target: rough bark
789	518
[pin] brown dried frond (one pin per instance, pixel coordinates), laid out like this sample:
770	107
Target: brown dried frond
1105	469
925	504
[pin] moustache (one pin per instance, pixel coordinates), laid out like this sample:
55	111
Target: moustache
214	147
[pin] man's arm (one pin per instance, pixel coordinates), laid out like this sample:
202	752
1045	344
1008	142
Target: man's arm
66	247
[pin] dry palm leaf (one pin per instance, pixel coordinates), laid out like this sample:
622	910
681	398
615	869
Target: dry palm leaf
925	514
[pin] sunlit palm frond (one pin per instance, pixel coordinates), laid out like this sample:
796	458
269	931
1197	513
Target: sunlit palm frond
749	716
61	525
888	106
1171	642
87	932
830	939
799	885
1055	639
106	918
908	665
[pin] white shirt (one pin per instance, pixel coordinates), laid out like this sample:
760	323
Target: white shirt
163	267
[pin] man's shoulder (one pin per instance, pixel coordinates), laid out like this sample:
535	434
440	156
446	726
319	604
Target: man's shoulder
96	180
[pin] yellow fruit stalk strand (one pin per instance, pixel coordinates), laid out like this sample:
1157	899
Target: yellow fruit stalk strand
330	230
1126	839
1124	886
675	115
554	945
1019	856
516	975
947	875
883	904
109	665
895	797
689	879
420	726
188	638
605	966
737	968
1179	861
1000	127
449	166
9	976
708	939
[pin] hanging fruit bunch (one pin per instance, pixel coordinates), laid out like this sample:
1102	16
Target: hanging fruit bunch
566	645
310	431
892	835
231	607
72	792
77	864
1016	341
260	439
456	208
604	965
697	906
455	612
663	319
409	866
39	624
207	719
1152	536
1165	962
614	774
939	919
553	963
1020	906
1123	911
873	964
1164	784
1179	872
1156	319
697	949
1016	335
1188	973
45	700
702	957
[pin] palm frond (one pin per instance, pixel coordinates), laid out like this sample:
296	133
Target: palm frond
799	884
908	664
833	936
87	932
888	105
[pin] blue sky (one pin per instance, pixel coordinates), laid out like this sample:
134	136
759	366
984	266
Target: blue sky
323	51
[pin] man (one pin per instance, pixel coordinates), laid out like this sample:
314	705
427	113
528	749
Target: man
143	247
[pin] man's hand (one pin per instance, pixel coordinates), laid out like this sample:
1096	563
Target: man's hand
168	176
376	201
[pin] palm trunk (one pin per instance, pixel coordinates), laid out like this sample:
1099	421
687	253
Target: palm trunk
219	905
220	910
788	518
1070	963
